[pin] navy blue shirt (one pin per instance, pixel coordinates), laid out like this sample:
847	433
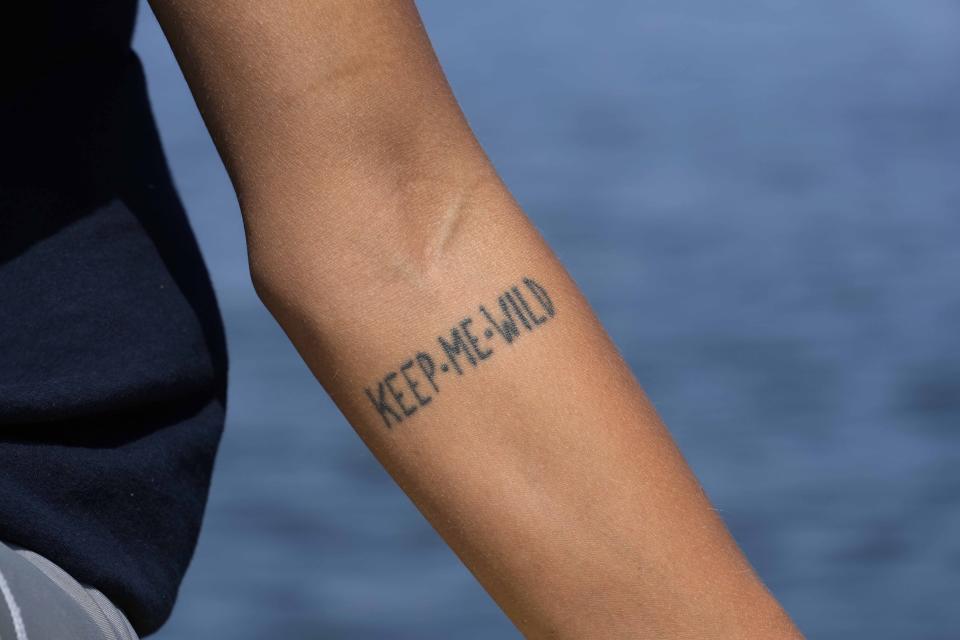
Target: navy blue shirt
112	356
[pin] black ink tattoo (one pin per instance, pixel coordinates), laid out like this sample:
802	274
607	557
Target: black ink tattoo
460	349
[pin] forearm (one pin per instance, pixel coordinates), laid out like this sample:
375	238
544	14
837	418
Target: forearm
527	444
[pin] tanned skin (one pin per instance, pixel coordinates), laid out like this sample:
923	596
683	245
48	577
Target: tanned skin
447	332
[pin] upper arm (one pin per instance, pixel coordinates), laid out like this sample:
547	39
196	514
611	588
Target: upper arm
331	116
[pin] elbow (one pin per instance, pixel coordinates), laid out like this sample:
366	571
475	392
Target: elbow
369	239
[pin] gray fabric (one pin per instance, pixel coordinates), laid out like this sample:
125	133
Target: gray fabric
41	601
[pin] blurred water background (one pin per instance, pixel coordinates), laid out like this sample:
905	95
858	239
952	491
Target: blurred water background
760	199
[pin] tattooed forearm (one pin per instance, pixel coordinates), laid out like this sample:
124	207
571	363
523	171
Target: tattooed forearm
414	384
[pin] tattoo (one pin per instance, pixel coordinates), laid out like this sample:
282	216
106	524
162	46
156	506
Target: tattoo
399	394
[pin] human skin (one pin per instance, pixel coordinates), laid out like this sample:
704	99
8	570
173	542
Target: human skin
386	246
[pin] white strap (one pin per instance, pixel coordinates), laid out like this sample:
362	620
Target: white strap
18	627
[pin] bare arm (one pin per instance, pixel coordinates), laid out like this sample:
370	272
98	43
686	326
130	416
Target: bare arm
441	324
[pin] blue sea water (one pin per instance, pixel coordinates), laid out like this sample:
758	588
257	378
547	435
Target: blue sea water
762	201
